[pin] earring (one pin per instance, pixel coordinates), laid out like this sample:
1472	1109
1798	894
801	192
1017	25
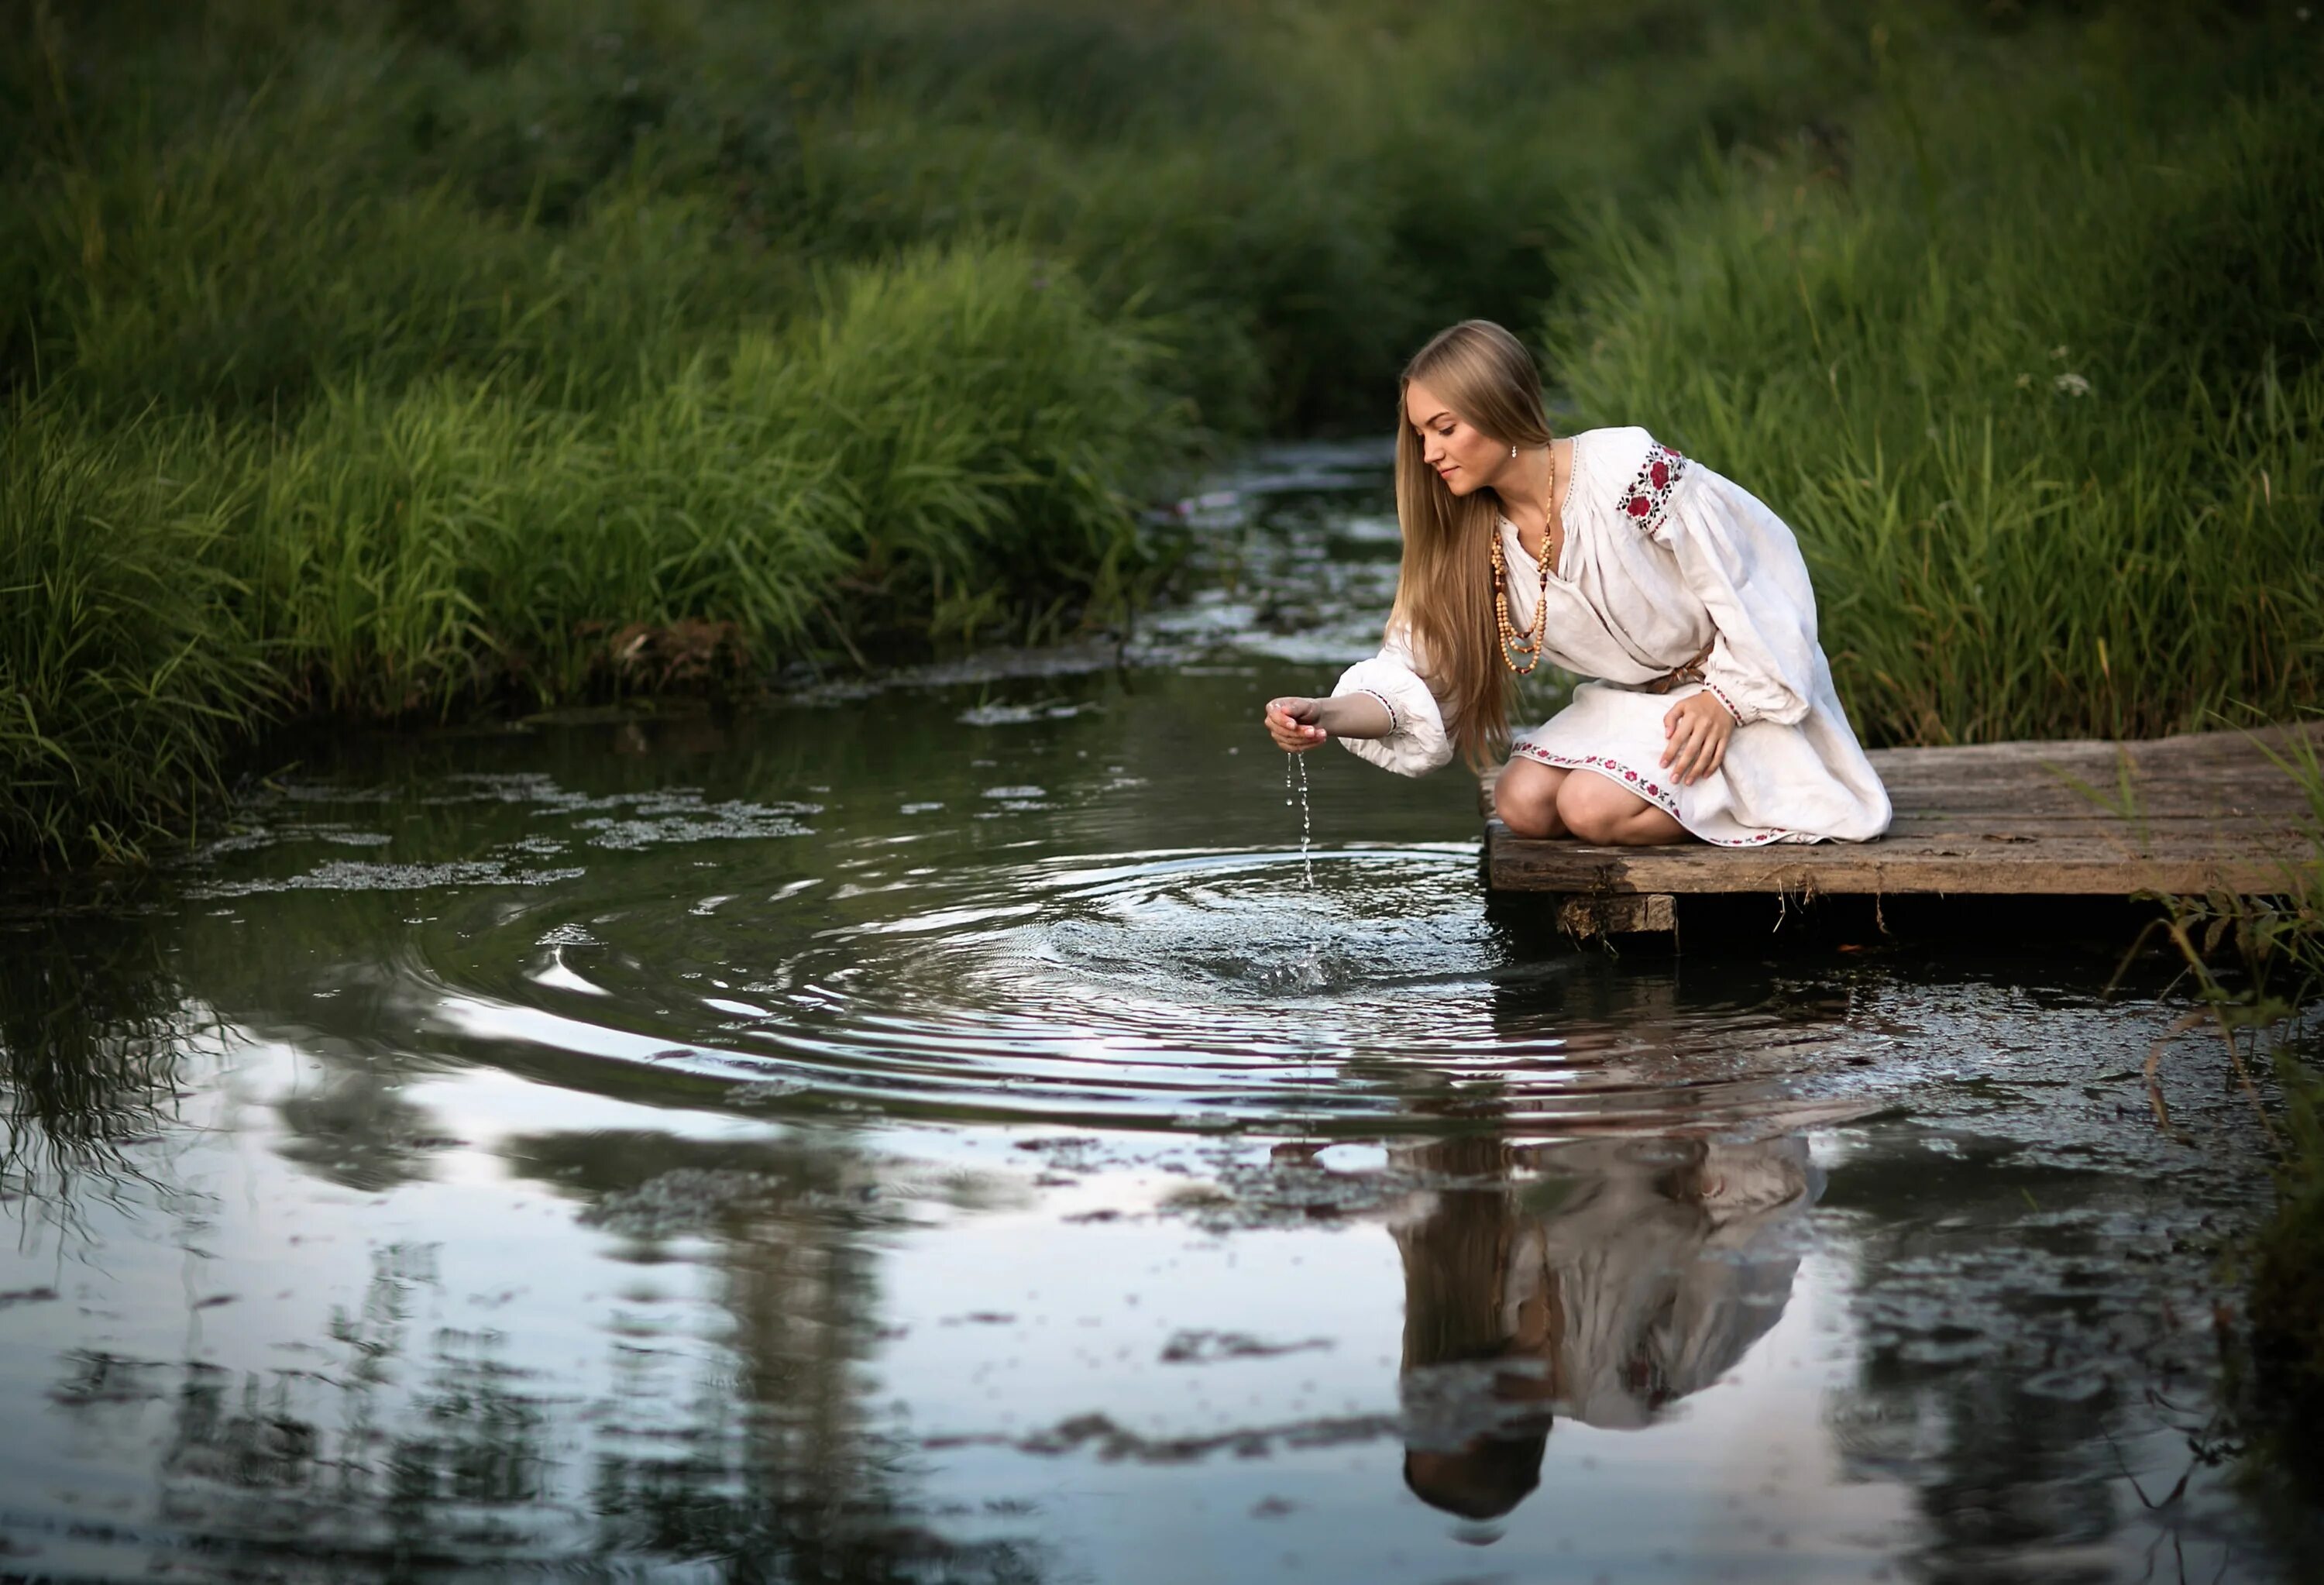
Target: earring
1513	451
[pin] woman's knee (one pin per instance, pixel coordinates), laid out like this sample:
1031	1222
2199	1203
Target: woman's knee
1594	809
1525	799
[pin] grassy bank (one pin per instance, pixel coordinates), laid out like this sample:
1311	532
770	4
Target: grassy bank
940	450
372	362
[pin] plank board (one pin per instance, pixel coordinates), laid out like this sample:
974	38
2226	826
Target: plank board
2190	814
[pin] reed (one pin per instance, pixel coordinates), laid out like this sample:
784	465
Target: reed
936	453
239	205
125	670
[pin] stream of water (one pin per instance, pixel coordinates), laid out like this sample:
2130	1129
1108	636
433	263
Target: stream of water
967	1128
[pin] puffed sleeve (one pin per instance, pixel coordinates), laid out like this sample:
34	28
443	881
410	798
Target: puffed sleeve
1743	563
1417	741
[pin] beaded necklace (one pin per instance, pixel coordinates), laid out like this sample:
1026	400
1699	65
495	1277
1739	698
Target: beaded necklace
1513	643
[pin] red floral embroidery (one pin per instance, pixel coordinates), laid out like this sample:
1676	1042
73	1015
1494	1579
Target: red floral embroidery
1665	798
1650	492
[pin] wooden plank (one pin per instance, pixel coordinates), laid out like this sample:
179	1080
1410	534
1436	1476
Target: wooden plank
2032	804
2161	794
1870	870
2257	808
2207	811
1620	914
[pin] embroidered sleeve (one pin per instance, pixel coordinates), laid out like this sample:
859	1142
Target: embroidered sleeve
1419	740
1720	694
1644	502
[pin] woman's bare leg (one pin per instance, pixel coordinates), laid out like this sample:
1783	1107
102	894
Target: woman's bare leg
1596	810
1525	798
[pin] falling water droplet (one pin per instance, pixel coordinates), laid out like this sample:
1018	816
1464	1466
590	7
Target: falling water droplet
1306	827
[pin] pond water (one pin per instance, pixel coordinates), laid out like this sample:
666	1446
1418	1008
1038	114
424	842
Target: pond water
950	1131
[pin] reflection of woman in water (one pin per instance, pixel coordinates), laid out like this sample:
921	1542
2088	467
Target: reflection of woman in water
1652	1269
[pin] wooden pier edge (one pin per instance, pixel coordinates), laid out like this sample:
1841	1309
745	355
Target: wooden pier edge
2199	813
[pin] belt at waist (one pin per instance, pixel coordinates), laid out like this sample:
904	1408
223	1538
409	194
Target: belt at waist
1690	672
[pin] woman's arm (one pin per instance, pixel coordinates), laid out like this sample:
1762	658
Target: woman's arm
1297	725
1382	710
1744	564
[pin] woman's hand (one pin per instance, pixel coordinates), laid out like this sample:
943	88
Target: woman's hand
1695	734
1295	724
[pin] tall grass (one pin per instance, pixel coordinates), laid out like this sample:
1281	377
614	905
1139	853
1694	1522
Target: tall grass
237	203
124	669
2033	364
940	450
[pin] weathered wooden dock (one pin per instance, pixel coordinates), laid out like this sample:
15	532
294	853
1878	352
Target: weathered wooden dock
2196	814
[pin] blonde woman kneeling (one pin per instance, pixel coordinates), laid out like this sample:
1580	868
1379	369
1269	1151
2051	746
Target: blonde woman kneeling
1610	556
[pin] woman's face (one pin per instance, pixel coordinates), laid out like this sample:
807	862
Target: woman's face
1465	457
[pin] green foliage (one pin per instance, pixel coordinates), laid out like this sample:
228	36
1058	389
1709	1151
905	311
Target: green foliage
2031	364
982	416
123	670
242	204
937	451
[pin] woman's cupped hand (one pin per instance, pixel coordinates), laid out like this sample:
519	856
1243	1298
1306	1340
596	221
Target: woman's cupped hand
1295	723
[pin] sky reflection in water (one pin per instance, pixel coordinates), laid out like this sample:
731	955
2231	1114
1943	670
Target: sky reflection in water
937	1131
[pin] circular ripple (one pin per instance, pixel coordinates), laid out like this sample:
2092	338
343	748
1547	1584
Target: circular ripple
1183	988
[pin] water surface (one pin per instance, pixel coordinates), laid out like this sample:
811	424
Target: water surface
947	1130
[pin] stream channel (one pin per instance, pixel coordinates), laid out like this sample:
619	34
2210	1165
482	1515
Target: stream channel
944	1128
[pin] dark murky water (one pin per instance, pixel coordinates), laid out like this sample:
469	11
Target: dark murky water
947	1132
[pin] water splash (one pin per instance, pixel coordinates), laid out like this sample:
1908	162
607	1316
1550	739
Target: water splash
1303	969
1306	815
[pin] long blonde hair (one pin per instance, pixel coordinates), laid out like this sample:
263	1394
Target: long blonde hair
1444	589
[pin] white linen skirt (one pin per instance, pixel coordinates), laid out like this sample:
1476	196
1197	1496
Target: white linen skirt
1778	783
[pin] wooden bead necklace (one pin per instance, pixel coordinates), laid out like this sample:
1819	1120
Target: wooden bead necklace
1513	643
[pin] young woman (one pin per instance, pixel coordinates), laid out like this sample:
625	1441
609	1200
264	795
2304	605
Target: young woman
1712	713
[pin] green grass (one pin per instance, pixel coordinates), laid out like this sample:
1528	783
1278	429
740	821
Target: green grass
940	450
454	352
237	204
124	669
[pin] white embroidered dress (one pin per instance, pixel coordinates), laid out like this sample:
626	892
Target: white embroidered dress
1662	557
